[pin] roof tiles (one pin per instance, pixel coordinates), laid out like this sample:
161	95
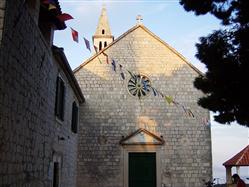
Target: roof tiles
240	159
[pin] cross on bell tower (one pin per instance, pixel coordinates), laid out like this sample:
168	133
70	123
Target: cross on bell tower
139	19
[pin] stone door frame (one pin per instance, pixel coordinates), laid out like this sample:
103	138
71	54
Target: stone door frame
141	149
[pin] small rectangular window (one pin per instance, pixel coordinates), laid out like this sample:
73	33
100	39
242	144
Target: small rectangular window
56	176
74	122
60	97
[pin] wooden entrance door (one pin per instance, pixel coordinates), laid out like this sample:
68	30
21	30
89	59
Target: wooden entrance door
142	169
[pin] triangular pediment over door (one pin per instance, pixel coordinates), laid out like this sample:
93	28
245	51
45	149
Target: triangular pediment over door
142	137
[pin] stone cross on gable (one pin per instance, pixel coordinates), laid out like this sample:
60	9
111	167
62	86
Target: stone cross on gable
139	19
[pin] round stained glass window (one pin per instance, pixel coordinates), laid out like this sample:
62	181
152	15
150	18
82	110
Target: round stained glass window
139	85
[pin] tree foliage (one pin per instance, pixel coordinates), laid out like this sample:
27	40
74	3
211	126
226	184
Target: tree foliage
225	53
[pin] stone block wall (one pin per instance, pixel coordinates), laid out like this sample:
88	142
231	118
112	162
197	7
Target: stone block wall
2	11
31	138
111	112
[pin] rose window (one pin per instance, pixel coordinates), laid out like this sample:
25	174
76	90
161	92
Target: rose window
139	85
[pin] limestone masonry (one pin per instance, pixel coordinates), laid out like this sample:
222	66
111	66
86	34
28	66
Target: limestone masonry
127	135
117	128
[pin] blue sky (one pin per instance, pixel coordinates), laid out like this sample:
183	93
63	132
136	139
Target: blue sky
168	20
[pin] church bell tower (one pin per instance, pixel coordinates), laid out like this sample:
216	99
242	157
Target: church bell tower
103	35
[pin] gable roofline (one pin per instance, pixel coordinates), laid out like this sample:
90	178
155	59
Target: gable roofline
159	139
149	32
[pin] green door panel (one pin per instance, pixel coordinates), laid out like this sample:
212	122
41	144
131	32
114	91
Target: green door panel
142	169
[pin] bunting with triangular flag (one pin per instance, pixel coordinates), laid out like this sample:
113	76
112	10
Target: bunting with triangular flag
114	65
64	17
107	60
95	48
75	35
154	91
145	85
161	94
87	44
121	72
169	99
48	2
190	113
206	122
132	75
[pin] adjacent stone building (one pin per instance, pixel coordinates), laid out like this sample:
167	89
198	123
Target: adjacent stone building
39	99
129	135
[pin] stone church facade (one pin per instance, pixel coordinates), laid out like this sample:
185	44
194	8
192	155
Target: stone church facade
129	137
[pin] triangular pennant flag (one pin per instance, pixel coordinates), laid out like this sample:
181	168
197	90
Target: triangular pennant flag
114	65
160	93
184	109
145	85
107	61
175	103
64	17
169	99
48	2
121	72
154	91
75	35
190	113
95	48
51	7
87	44
206	122
122	75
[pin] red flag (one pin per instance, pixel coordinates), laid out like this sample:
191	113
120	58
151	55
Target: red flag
64	17
75	35
48	1
45	1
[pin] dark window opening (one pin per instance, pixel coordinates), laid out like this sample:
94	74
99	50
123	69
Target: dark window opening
56	176
105	44
74	122
59	100
103	31
100	45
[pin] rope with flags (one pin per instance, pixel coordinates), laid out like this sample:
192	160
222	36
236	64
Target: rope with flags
167	98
